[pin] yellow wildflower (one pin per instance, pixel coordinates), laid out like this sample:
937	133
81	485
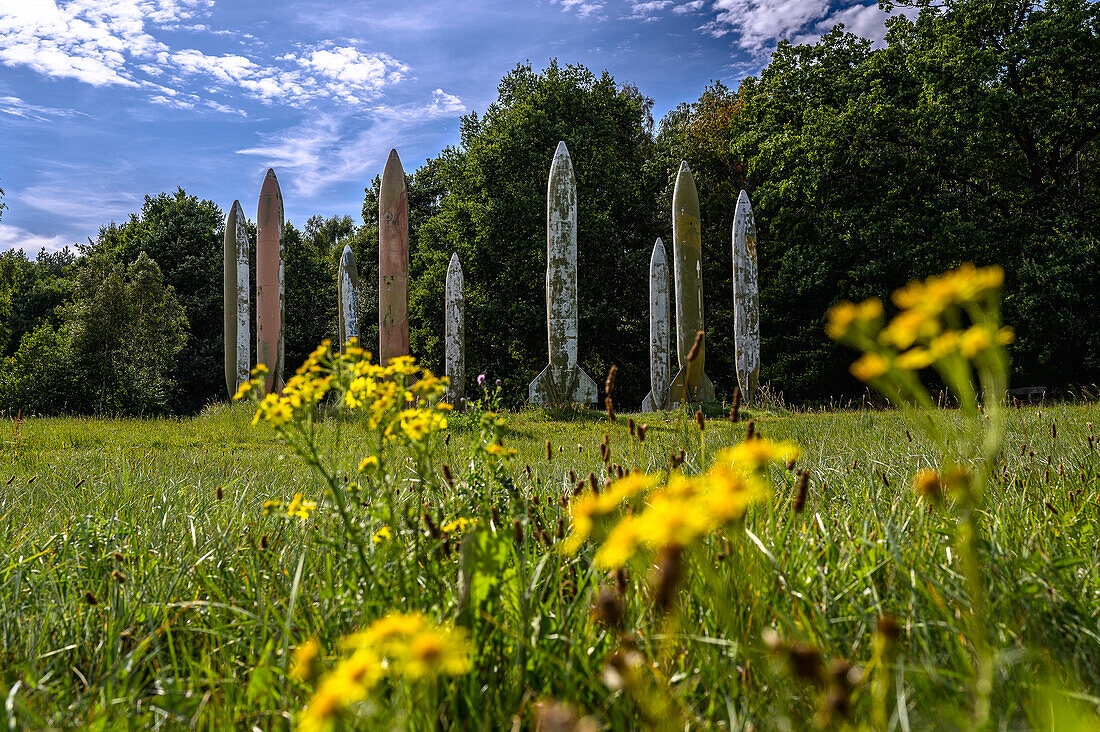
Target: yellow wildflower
381	535
975	340
498	450
370	462
457	526
436	651
844	315
299	508
870	366
271	506
305	663
621	544
242	390
753	455
915	359
926	484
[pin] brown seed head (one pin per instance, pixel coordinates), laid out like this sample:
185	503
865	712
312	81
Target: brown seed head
610	409
447	440
560	534
119	577
219	493
700	420
735	407
263	542
608	608
90	598
801	491
750	429
517	532
630	426
432	528
694	352
804	661
448	476
620	581
642	429
549	451
670	570
609	384
888	629
593	482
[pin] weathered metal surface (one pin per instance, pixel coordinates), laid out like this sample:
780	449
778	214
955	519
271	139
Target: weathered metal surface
746	299
236	298
690	382
393	262
454	332
562	381
270	316
659	331
347	285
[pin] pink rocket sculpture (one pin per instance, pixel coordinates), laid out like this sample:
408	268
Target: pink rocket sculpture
393	262
270	313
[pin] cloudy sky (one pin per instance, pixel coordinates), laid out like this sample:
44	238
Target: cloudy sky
104	101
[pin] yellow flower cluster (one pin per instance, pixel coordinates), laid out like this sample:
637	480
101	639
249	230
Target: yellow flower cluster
927	329
297	508
400	400
677	514
405	645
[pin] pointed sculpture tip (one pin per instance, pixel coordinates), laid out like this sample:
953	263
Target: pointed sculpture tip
454	259
270	173
684	167
561	149
743	196
236	204
347	250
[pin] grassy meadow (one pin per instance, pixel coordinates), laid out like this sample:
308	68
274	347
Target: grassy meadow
143	584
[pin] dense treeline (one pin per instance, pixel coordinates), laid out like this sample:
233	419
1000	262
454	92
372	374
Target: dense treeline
970	135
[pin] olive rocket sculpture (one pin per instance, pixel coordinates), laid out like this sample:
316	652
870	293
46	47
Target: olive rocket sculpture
454	332
746	299
236	293
562	381
347	285
270	277
691	384
659	331
393	262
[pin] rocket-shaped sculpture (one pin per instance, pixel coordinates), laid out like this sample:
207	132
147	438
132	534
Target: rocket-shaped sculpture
454	332
659	331
393	262
347	285
746	299
270	314
562	381
691	382
236	299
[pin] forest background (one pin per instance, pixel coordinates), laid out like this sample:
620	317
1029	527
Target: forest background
971	134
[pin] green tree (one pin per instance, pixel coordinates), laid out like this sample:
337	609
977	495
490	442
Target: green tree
486	200
125	327
969	136
184	236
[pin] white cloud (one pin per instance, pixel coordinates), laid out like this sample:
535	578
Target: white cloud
331	148
14	237
112	42
644	9
17	107
759	24
583	8
689	7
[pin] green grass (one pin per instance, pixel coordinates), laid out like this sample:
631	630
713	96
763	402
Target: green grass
217	594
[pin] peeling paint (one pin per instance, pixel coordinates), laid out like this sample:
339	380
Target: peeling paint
746	299
348	291
562	380
660	355
454	332
690	384
236	299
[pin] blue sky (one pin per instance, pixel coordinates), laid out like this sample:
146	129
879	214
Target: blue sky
104	101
